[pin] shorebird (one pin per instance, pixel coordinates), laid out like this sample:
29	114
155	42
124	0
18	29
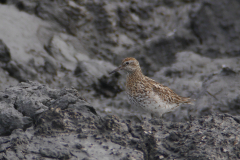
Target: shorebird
146	93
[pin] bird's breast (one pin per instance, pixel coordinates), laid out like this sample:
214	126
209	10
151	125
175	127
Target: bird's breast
136	89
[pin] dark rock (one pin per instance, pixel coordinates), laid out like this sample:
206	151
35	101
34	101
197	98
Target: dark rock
63	16
227	71
11	119
215	25
20	5
3	1
20	71
108	86
55	153
142	11
101	22
172	73
5	55
79	146
95	73
173	137
82	136
126	22
50	67
5	143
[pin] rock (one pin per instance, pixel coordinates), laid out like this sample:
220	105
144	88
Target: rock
5	55
214	24
101	20
62	52
50	67
4	2
20	71
190	46
108	86
60	153
92	70
219	94
19	33
186	78
11	119
6	80
164	51
202	138
85	134
67	113
226	71
70	47
48	11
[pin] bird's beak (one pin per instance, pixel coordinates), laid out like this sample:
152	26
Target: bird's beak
116	70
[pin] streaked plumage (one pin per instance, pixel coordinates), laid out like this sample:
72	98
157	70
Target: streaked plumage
144	92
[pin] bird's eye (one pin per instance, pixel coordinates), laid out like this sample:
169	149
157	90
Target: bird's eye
127	63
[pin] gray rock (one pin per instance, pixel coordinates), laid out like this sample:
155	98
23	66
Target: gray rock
20	72
11	119
219	94
62	52
60	153
6	80
215	25
214	88
92	70
5	55
67	44
71	128
69	115
199	139
26	99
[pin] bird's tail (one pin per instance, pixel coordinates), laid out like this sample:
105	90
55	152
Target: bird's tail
188	100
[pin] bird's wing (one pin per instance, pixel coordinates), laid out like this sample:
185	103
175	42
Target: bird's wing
166	93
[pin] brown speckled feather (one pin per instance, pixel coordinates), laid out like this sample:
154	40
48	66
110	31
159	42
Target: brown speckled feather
144	92
166	93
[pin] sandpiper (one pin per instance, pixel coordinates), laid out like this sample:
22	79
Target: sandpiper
144	92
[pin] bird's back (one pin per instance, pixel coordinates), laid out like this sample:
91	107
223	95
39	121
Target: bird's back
150	95
166	94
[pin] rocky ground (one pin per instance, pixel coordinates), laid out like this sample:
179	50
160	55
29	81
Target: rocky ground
69	107
38	122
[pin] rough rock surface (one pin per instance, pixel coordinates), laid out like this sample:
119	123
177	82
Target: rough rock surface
190	46
214	90
65	126
76	43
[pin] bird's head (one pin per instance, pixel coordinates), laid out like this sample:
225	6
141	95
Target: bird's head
128	64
